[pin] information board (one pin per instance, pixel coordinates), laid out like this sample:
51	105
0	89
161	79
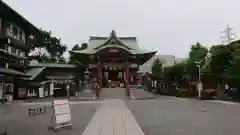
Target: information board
62	111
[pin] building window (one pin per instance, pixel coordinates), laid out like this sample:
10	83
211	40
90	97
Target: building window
22	62
22	36
15	32
9	31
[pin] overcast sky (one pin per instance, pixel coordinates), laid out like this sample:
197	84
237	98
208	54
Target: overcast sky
169	26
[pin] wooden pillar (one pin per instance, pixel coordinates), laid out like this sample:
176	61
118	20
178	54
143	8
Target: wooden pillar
126	77
138	79
99	78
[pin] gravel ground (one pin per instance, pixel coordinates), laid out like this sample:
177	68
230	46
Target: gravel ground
14	119
176	116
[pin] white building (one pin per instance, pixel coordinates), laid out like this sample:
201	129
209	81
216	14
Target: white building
167	61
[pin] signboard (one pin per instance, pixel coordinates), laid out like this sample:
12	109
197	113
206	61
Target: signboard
62	111
51	89
41	92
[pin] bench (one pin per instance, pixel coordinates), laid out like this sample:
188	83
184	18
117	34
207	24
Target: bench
36	110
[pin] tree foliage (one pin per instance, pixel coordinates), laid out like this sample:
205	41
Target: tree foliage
234	61
220	60
175	73
198	53
157	67
197	57
48	48
189	68
77	57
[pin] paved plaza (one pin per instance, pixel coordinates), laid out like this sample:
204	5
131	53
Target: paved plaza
180	116
14	118
160	116
113	118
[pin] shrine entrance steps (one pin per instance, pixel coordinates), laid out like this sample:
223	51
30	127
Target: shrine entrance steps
120	93
112	93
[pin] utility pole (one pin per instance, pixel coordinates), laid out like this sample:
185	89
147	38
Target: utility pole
229	35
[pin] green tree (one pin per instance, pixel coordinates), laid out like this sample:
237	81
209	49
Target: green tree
175	73
39	45
198	53
234	60
157	67
56	49
76	57
197	56
220	60
47	48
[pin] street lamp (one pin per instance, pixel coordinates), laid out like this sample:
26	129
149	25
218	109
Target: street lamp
199	70
199	84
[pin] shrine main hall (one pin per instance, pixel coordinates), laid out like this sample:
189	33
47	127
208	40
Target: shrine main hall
114	59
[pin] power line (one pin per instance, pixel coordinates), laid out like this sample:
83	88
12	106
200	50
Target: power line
229	35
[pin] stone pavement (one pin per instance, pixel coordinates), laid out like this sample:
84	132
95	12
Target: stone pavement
175	116
14	118
113	118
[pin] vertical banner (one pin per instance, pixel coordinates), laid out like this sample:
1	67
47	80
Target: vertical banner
51	89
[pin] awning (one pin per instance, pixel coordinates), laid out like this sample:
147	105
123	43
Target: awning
34	72
9	71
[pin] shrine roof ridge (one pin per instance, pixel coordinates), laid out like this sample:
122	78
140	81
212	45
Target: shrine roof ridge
105	38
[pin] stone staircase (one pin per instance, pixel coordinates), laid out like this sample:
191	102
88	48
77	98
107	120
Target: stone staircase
141	94
116	93
110	93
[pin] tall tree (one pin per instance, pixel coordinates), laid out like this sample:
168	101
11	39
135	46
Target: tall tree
56	49
196	58
39	45
234	60
157	67
48	48
175	73
220	60
198	53
76	57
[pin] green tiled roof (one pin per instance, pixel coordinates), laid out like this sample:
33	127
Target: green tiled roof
37	68
11	71
53	65
34	72
96	42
